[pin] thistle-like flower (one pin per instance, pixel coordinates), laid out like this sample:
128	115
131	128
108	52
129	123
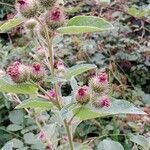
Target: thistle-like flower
55	18
60	68
18	72
99	83
47	3
104	101
101	102
82	95
27	8
37	72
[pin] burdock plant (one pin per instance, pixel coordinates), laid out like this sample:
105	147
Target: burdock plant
47	20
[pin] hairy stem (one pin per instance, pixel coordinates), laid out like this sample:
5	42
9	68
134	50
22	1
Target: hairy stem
56	86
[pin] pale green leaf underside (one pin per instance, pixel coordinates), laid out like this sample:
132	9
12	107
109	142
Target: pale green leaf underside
8	146
35	104
10	24
117	107
140	140
109	145
9	87
84	24
78	69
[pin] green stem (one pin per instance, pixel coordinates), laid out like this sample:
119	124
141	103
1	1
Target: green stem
69	134
56	86
6	4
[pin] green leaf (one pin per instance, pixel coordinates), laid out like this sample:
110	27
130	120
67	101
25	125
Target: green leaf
140	140
74	84
138	13
14	127
109	145
77	146
104	2
30	138
78	69
17	143
17	117
35	104
117	107
11	24
8	146
9	87
83	24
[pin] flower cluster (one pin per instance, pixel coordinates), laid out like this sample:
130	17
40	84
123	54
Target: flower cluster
47	11
96	92
20	73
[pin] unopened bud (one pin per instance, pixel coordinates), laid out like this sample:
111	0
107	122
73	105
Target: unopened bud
52	95
31	24
60	68
40	52
42	136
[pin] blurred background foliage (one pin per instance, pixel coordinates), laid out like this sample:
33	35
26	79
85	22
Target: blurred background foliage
124	52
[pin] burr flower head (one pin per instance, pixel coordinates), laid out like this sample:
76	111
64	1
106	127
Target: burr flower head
30	24
104	101
82	95
60	68
55	18
37	72
27	8
100	101
18	72
99	83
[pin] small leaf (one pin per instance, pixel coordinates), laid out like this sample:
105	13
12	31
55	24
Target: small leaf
16	116
138	13
74	84
35	104
105	2
83	24
11	24
109	145
8	146
117	107
14	127
17	143
30	138
78	69
140	140
25	88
